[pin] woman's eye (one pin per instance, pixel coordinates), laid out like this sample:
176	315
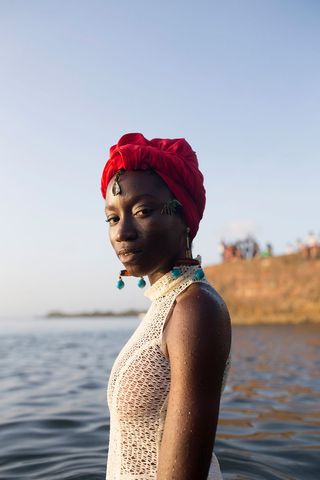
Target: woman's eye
144	212
112	220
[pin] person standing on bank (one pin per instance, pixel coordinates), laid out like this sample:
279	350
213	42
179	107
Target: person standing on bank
165	385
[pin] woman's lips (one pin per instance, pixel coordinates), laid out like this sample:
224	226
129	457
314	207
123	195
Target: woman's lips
129	256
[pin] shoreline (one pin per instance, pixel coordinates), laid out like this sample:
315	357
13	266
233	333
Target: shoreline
284	289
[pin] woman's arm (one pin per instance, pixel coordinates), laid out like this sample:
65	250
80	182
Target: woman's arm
198	343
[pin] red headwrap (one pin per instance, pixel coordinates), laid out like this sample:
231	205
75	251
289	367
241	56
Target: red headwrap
172	159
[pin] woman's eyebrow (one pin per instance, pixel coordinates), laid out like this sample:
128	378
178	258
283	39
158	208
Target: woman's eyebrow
109	208
134	200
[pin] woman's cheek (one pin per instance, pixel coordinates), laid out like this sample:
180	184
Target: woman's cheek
112	233
151	225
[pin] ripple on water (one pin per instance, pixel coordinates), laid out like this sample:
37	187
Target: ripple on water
54	416
269	418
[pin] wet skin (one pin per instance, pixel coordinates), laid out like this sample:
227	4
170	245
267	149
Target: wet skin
197	333
146	241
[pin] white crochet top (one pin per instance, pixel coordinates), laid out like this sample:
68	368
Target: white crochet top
138	388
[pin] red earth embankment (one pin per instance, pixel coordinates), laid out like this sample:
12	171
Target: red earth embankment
283	289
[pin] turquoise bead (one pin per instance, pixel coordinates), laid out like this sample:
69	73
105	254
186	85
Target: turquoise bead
141	283
120	284
199	274
175	272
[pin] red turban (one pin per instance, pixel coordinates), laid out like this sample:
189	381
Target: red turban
172	159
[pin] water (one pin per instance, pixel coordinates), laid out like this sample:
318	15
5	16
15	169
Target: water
54	417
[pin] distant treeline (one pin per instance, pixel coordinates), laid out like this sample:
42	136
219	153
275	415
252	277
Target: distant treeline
95	313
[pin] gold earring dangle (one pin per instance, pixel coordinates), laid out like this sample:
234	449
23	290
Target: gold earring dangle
188	249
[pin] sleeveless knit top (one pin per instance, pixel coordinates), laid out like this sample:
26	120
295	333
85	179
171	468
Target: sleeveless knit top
138	388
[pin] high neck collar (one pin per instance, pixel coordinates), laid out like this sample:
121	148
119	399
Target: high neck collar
166	283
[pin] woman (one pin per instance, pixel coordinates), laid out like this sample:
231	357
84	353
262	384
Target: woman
165	385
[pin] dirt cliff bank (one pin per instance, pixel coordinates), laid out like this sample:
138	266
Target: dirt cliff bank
283	289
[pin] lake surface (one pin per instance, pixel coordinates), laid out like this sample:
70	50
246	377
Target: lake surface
54	416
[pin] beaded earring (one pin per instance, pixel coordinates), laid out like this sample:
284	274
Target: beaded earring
199	274
141	282
176	271
120	282
124	273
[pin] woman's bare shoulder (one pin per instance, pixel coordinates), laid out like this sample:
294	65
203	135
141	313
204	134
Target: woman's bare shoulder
200	317
202	291
205	304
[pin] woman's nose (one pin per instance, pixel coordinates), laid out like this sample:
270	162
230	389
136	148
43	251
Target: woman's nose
125	231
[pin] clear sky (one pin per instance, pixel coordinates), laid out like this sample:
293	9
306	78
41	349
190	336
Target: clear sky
238	79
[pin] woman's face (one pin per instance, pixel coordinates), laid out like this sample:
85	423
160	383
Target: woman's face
146	241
